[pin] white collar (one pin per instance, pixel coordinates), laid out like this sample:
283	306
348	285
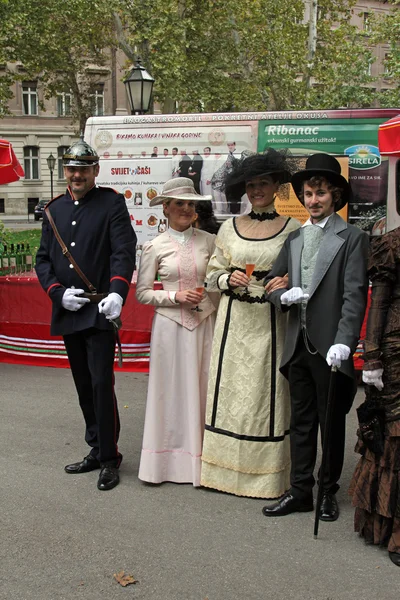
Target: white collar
181	236
321	223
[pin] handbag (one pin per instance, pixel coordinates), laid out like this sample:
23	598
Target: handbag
371	419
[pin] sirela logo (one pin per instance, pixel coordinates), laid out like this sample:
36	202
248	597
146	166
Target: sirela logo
363	157
139	222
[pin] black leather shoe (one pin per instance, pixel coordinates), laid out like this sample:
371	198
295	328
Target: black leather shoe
89	463
288	504
108	478
395	558
329	510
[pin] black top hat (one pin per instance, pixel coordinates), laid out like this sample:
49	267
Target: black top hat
272	162
323	165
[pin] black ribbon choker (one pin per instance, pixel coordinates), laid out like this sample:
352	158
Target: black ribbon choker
267	216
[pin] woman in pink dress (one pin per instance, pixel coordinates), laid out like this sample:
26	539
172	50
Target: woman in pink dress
181	339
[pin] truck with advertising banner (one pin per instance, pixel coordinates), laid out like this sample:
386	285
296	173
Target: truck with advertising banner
139	153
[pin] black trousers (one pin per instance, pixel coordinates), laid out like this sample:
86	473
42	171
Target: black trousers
309	376
91	357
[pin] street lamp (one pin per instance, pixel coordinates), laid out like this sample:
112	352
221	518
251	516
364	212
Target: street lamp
51	163
139	87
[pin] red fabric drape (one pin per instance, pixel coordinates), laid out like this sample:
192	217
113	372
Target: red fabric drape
389	137
10	168
25	338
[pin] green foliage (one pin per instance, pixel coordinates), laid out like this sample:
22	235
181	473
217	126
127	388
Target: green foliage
26	236
211	55
58	43
253	55
386	30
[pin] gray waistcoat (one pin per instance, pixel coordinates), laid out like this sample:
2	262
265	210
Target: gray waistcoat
313	235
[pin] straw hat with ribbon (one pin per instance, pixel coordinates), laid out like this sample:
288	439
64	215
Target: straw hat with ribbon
181	188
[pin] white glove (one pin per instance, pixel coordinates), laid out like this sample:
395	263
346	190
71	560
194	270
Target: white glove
294	296
111	306
373	378
71	299
336	354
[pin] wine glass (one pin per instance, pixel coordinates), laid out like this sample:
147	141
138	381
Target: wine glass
200	289
249	272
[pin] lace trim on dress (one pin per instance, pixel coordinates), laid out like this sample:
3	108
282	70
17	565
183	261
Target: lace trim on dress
187	279
245	297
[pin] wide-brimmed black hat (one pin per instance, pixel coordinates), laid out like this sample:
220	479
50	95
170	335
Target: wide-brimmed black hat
249	166
323	165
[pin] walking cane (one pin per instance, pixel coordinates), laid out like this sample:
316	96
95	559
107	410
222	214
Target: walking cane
325	450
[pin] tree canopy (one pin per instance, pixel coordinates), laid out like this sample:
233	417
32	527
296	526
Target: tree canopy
61	44
386	30
211	55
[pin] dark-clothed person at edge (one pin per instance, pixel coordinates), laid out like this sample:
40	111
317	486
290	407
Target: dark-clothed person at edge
94	224
326	262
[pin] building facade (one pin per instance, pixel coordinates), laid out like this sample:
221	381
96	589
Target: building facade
40	127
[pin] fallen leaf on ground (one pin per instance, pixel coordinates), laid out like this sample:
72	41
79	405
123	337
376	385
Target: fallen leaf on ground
124	579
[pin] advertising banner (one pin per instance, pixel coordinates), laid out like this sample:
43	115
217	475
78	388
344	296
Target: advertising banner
154	155
356	139
287	204
139	182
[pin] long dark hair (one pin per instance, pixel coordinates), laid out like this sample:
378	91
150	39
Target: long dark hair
205	217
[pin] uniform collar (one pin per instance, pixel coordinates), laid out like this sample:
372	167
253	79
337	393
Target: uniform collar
86	196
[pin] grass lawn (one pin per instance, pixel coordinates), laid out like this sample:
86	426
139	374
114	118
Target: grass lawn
27	236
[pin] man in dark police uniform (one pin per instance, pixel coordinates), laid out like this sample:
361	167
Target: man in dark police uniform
94	224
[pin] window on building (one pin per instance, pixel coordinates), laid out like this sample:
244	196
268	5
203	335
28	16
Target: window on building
64	104
386	68
31	162
31	205
2	209
61	150
29	98
366	21
97	98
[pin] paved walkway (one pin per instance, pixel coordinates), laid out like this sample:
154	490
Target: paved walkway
62	539
20	222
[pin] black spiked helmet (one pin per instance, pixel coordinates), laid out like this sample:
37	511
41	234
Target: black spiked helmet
327	166
80	154
279	163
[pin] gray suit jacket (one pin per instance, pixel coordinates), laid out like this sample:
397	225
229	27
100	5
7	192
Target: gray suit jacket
338	293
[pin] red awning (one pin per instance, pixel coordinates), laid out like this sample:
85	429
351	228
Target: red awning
389	137
10	169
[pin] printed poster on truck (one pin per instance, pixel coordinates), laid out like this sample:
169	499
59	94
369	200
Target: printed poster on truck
201	152
139	182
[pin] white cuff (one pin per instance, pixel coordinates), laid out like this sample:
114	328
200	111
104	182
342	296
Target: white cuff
222	281
171	296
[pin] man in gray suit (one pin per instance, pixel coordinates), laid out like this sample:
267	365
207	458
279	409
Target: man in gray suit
326	263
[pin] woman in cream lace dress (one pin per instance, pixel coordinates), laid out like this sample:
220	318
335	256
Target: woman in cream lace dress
246	445
181	339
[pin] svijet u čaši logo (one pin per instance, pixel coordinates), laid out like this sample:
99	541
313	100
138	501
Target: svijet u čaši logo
363	157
